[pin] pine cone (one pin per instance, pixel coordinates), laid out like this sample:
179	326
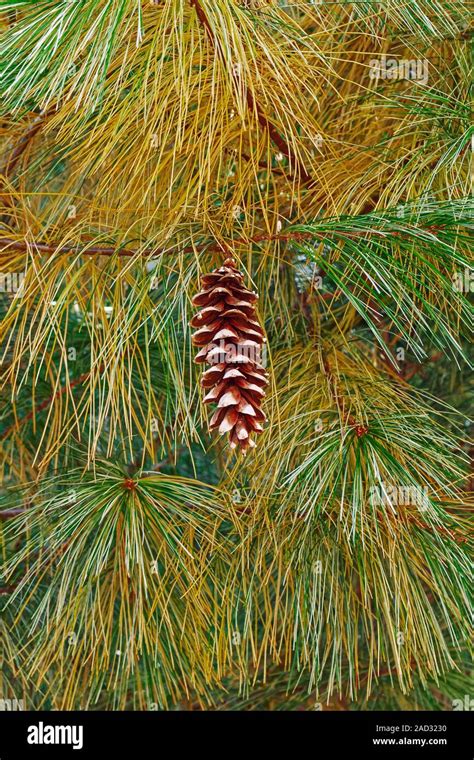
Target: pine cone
231	338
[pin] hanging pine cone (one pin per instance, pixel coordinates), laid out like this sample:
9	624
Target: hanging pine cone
231	338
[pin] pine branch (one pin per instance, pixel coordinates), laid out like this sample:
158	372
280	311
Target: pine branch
252	102
8	514
7	590
23	143
337	395
223	246
44	405
16	154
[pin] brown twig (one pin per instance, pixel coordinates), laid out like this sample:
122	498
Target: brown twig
24	245
23	142
334	388
5	590
16	154
44	404
413	369
7	514
333	385
437	528
261	164
253	103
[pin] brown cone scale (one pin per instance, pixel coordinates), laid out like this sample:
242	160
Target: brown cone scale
230	339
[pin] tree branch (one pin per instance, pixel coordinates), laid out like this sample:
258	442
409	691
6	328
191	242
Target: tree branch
7	514
24	245
44	404
253	103
23	143
16	154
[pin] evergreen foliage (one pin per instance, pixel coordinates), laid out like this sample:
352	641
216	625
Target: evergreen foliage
145	565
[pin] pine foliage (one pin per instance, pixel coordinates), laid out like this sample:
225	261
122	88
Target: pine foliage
144	564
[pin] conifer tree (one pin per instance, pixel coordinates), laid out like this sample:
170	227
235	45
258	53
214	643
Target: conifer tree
289	183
